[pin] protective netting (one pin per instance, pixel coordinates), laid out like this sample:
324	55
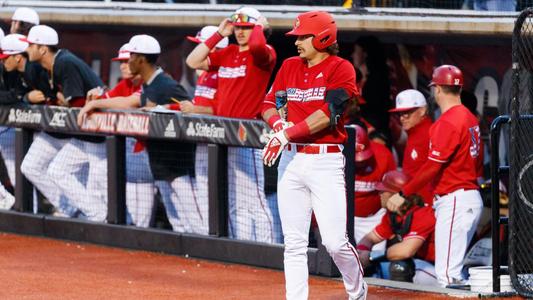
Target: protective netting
521	145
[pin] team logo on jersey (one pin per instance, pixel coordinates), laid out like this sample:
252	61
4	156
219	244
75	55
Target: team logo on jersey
312	94
365	186
474	141
320	75
414	154
228	72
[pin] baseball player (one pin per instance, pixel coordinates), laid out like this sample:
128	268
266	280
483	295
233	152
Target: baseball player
452	160
410	235
411	107
23	19
171	163
318	84
372	161
243	74
139	179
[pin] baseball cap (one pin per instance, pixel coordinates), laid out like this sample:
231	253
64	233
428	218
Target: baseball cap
206	33
392	181
1	34
42	35
245	16
409	99
26	14
123	53
12	44
143	44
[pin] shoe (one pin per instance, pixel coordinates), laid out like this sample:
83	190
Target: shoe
362	294
6	200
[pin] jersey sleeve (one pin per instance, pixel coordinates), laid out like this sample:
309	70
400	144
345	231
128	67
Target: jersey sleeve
117	91
215	58
443	142
342	76
263	54
423	224
383	229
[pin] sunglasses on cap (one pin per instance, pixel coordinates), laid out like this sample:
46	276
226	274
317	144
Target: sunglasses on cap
242	18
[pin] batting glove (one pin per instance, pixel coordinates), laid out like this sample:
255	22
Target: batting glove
273	148
279	125
395	202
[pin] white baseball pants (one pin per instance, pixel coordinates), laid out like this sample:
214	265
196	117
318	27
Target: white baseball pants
457	217
424	273
250	217
35	167
7	147
315	183
362	226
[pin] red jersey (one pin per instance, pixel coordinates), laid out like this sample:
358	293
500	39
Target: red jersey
416	153
242	81
455	142
367	201
124	88
206	88
306	89
422	227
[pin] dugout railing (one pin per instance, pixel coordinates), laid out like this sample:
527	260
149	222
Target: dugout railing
116	126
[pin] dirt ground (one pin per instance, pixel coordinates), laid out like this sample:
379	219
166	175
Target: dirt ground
39	268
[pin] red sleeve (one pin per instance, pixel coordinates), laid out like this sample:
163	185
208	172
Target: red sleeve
277	85
263	54
202	101
424	176
384	230
341	77
423	224
443	142
117	91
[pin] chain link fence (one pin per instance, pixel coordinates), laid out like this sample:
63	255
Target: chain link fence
521	145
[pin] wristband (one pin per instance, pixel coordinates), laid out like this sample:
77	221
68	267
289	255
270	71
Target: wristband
362	247
213	40
298	131
273	120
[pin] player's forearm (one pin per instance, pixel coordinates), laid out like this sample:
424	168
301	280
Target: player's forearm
116	103
197	59
316	122
258	47
203	110
425	175
401	251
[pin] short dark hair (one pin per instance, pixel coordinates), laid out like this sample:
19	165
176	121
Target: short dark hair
51	48
151	58
24	28
451	89
332	49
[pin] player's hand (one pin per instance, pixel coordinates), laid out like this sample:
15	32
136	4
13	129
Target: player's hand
273	148
364	257
225	28
61	99
94	94
87	109
186	107
395	202
36	96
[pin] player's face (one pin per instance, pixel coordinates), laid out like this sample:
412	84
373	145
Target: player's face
305	48
411	118
134	63
125	70
242	34
15	25
384	197
10	63
34	53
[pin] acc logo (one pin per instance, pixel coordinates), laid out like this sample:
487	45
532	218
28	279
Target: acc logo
58	119
243	133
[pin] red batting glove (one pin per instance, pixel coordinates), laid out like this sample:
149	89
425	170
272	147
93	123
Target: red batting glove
273	148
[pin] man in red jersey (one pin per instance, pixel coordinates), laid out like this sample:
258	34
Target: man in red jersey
453	153
243	74
372	161
318	85
410	235
411	107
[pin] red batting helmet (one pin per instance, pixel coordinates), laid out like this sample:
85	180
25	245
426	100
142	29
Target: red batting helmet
362	144
320	24
447	75
393	181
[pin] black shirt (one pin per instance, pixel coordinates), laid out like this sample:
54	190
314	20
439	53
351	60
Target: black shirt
11	87
168	158
35	77
72	76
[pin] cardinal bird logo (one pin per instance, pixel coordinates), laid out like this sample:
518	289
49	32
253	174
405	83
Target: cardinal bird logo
243	133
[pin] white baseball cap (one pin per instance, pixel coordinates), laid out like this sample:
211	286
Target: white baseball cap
245	16
26	14
206	33
12	44
42	35
1	34
409	99
123	53
143	44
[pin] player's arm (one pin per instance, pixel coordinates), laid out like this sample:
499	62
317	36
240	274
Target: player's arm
132	101
263	55
188	107
365	245
198	58
404	249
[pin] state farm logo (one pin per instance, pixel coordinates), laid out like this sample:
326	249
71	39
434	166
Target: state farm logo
24	116
58	119
170	131
205	130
